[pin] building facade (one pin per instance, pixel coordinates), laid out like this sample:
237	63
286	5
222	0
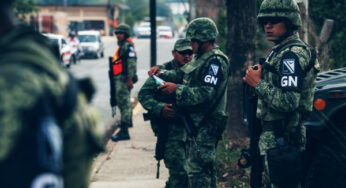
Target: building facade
100	15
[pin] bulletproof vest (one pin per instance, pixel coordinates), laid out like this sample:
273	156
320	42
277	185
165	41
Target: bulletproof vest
305	100
193	72
212	53
36	160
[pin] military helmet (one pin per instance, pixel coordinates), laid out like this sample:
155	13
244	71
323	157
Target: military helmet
123	28
201	29
284	8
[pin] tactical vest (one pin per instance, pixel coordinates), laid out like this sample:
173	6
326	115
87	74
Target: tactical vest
218	105
305	100
120	65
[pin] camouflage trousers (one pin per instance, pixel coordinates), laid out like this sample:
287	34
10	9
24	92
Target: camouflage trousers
123	101
201	165
175	161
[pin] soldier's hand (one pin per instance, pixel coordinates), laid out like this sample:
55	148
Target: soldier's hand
252	76
129	83
168	87
154	71
168	112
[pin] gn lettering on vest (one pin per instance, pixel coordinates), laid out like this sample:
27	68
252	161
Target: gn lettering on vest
289	81
291	72
210	79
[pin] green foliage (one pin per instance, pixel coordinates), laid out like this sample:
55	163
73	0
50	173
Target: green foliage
229	174
223	154
138	9
222	27
162	9
262	45
23	8
332	9
130	20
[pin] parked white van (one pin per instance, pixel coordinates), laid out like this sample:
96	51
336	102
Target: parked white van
91	44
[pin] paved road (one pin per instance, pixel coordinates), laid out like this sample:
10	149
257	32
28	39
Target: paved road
128	164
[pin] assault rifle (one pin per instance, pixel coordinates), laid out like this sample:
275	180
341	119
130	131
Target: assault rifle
112	100
186	120
252	155
161	128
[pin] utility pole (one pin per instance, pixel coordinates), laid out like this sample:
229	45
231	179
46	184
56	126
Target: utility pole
193	10
153	33
65	5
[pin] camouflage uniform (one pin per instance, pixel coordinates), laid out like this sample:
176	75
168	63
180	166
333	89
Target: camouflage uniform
153	100
203	96
286	88
129	60
30	75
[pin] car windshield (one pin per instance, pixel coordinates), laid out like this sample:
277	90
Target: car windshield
87	38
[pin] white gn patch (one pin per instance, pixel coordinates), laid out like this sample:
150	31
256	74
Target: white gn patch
288	67
132	52
291	72
289	81
215	69
211	77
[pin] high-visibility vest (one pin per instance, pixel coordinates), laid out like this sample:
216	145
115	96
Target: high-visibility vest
118	61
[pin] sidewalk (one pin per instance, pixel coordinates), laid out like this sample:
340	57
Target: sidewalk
130	164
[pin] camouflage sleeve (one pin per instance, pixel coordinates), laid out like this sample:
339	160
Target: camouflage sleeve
145	97
18	92
131	61
286	96
174	75
190	96
212	79
166	65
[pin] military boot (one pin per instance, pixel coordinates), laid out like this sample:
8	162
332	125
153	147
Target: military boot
123	134
122	124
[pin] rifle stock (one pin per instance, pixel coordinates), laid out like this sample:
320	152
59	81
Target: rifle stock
112	101
252	155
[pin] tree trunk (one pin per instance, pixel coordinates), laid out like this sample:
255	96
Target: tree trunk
241	25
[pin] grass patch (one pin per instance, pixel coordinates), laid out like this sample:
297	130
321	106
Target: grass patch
229	174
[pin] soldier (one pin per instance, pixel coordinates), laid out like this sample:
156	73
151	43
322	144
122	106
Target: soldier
203	96
285	87
159	106
44	115
124	69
